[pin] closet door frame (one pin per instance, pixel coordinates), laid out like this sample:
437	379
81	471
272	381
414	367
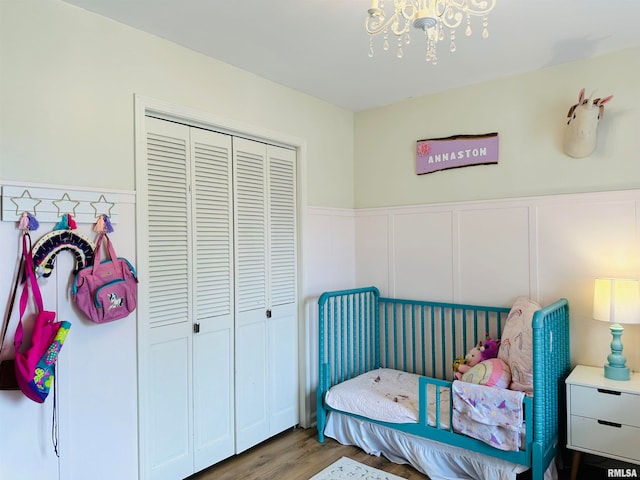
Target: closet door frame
146	106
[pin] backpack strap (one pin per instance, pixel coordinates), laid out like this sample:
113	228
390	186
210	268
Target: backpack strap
110	249
24	297
5	324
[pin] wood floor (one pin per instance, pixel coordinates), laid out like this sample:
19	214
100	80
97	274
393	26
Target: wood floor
296	455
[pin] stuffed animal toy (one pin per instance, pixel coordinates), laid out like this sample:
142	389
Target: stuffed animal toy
482	351
482	367
489	348
463	365
456	363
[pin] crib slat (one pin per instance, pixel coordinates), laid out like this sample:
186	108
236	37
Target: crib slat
443	344
349	325
433	342
413	336
403	326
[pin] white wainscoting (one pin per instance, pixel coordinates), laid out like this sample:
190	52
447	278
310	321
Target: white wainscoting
329	264
482	252
329	256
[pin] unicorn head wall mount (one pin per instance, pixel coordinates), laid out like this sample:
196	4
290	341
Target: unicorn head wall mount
580	135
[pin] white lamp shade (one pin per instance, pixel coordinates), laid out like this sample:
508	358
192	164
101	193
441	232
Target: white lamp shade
616	300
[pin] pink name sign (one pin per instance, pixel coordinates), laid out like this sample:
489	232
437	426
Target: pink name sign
455	152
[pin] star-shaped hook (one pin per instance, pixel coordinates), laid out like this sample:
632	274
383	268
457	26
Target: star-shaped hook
24	203
102	206
66	205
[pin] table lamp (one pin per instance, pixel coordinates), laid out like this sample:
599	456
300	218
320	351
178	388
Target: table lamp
616	301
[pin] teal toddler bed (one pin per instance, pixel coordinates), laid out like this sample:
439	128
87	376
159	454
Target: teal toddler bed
366	338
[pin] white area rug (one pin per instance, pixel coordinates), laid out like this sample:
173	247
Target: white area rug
345	468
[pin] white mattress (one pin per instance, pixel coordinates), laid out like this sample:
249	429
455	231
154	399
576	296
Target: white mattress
386	395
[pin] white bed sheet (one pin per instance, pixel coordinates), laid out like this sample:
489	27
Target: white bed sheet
387	395
437	460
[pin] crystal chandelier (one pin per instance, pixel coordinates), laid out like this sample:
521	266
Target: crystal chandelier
431	16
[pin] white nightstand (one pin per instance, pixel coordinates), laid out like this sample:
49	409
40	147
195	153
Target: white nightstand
603	416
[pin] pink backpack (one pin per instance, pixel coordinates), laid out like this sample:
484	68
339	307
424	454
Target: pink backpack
35	364
107	290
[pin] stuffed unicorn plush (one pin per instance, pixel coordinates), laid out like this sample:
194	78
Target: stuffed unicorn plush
580	135
481	366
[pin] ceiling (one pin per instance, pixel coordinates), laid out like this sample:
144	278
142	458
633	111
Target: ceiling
320	47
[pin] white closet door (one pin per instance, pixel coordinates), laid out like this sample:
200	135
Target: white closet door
252	368
213	342
189	386
283	332
266	327
167	413
221	324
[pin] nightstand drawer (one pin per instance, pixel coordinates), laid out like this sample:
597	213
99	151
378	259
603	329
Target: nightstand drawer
604	404
619	441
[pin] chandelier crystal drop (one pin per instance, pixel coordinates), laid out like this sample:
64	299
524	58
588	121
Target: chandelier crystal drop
431	16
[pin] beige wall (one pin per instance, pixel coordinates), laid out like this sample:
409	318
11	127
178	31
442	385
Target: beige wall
67	84
529	113
68	78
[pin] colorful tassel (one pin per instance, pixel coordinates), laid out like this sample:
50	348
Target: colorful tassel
103	225
33	222
63	224
99	227
24	222
66	223
28	222
107	223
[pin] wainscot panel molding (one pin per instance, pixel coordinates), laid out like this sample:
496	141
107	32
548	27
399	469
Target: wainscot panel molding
329	260
491	251
483	252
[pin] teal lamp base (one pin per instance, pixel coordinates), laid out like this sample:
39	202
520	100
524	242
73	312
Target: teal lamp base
616	373
616	369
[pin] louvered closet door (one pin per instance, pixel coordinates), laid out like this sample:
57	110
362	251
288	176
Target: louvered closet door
266	329
213	344
250	207
283	331
190	422
168	408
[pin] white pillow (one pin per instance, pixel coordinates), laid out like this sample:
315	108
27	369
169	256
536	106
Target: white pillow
516	344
